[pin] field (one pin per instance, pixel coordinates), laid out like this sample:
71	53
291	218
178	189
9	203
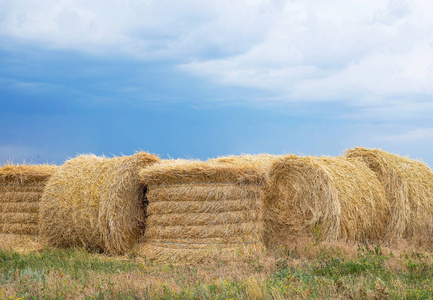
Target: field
288	228
306	270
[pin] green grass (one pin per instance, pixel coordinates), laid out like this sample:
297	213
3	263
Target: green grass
312	271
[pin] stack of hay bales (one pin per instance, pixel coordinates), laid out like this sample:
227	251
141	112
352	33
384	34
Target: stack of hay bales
202	210
322	197
409	189
327	198
21	187
96	202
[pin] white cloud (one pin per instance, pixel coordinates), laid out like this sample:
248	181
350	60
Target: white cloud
409	136
365	53
145	29
372	54
404	109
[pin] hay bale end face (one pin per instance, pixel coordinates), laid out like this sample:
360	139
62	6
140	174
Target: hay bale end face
324	198
201	210
96	202
409	190
21	188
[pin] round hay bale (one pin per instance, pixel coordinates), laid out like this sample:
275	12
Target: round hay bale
409	190
324	198
200	210
96	202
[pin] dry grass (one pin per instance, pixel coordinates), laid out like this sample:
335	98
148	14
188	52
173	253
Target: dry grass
199	210
326	198
96	202
409	189
21	187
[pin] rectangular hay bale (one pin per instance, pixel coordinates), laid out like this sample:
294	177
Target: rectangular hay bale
21	188
201	210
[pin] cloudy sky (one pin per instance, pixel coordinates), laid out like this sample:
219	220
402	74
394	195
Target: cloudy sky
207	78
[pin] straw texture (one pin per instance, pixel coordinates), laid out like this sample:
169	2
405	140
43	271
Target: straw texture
21	187
261	161
326	198
409	188
96	202
201	210
23	243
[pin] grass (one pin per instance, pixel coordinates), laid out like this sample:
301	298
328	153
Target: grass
308	270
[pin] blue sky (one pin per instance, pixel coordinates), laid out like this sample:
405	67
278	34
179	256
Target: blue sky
198	79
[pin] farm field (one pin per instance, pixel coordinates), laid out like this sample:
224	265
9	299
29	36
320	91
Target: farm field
249	227
307	270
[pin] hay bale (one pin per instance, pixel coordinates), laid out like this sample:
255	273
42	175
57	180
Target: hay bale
409	189
324	198
21	188
96	202
201	210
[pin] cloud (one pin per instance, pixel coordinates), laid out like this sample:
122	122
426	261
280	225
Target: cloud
414	135
363	53
374	56
142	29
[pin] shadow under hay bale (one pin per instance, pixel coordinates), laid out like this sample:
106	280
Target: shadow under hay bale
324	198
409	188
96	202
21	188
201	210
